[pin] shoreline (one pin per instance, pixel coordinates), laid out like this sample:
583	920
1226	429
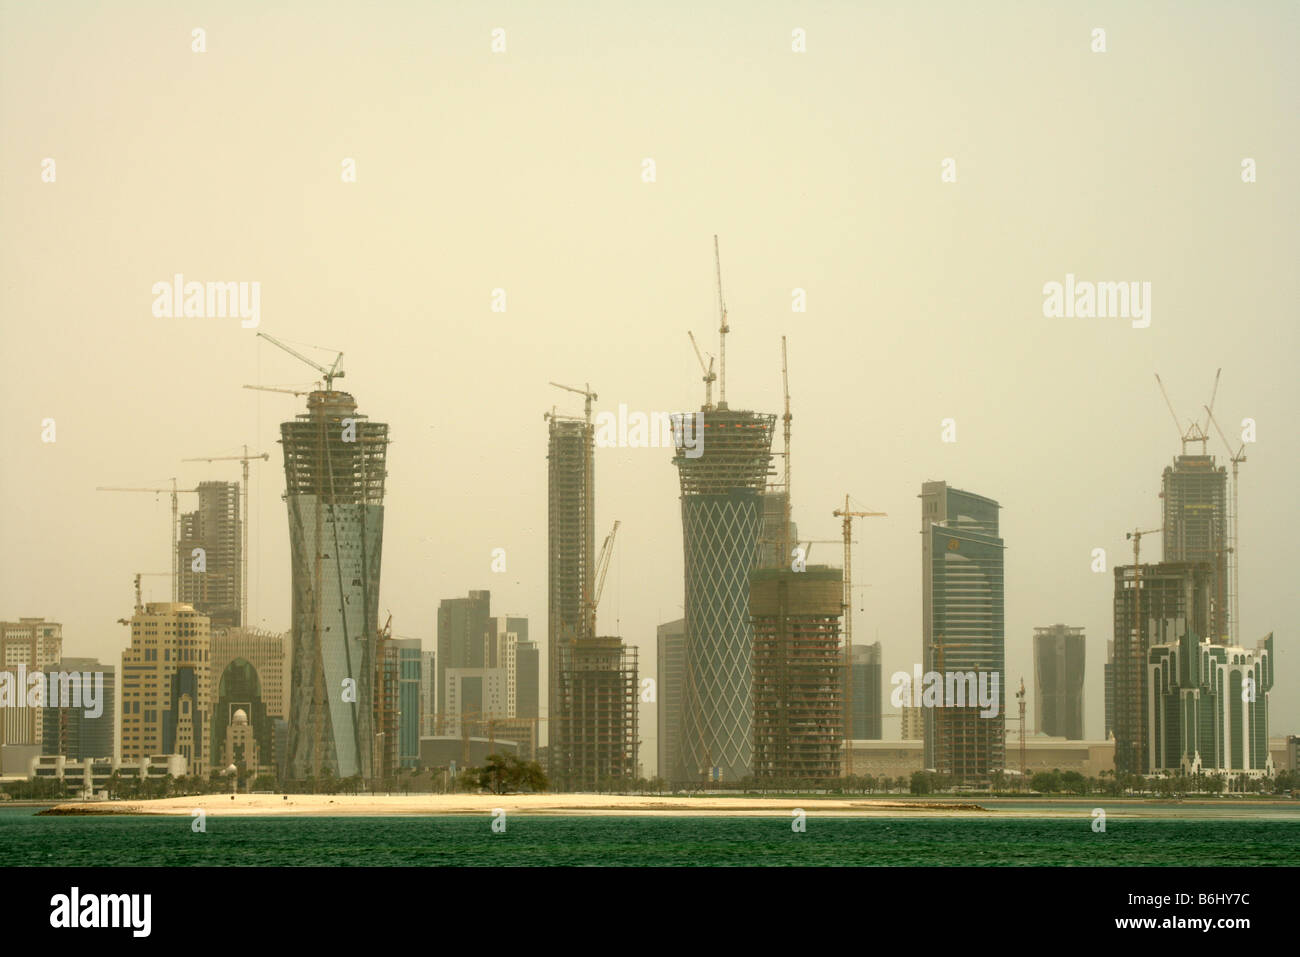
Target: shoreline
418	805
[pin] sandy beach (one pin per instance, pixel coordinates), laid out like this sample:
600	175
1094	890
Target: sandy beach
418	804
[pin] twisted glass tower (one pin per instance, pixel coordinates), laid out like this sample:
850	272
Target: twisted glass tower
722	481
334	468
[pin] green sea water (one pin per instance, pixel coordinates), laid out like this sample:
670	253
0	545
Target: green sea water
546	840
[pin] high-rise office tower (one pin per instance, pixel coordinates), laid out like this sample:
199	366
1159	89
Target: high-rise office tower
723	477
1175	601
504	635
36	645
527	678
1194	493
167	686
1058	681
670	655
334	465
1209	707
798	669
865	704
462	640
963	626
408	701
428	693
571	533
69	726
209	554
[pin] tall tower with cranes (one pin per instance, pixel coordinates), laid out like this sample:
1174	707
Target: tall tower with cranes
335	466
722	478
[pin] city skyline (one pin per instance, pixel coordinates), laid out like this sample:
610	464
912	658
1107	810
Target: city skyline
604	291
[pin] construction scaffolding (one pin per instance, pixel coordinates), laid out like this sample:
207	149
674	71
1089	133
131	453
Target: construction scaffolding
797	673
600	734
334	464
1195	497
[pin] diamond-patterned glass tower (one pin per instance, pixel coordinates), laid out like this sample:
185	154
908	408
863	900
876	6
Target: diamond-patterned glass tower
722	483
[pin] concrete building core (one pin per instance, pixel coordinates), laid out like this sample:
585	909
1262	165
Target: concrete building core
798	671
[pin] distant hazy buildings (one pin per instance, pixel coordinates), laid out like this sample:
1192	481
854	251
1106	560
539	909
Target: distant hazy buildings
69	727
1209	707
1174	598
167	686
208	554
963	625
462	638
335	467
798	673
503	636
1058	681
864	704
723	474
473	696
32	644
912	723
671	660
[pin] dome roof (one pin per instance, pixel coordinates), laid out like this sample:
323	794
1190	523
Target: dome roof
240	717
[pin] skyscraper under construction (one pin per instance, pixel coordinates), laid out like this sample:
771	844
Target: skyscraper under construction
210	579
1194	494
798	673
571	533
334	465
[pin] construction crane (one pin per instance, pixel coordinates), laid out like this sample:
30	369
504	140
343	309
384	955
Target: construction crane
330	374
1195	432
723	329
243	529
1020	699
272	388
1234	533
785	448
139	603
602	566
709	375
848	515
175	522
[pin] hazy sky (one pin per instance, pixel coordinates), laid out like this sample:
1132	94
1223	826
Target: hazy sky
522	171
